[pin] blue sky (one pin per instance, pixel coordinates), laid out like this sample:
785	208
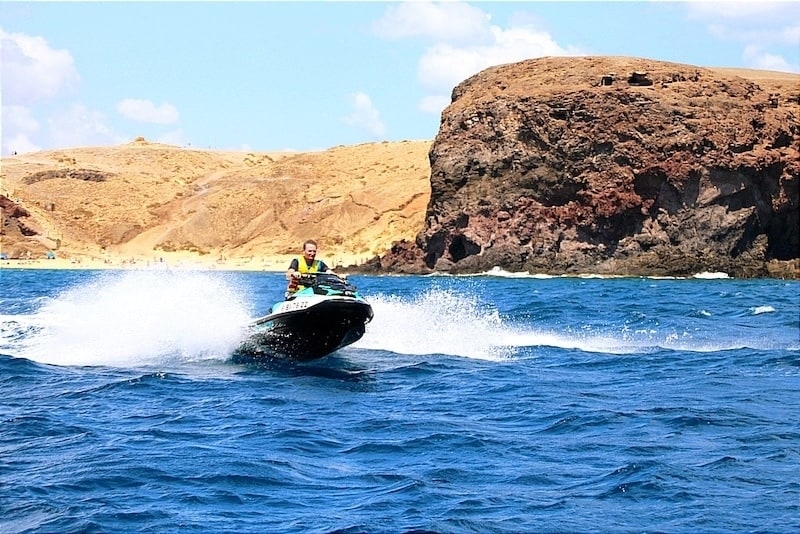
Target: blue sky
270	76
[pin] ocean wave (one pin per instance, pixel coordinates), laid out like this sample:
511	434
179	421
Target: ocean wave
711	275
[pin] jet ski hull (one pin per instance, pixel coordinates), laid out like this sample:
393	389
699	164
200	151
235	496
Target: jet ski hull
308	328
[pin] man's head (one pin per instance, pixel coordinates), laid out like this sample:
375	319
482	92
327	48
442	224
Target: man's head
310	249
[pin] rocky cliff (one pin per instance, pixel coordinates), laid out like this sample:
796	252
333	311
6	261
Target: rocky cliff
557	165
613	166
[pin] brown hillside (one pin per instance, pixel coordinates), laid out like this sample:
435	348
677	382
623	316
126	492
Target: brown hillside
141	201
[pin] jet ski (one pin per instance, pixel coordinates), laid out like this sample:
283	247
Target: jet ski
324	316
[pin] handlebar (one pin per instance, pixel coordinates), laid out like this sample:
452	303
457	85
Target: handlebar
309	277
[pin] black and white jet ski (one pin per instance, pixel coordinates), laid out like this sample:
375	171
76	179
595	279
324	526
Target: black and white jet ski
323	317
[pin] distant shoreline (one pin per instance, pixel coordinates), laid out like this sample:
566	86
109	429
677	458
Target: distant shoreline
277	264
99	265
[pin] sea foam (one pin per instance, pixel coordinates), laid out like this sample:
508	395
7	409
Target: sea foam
139	317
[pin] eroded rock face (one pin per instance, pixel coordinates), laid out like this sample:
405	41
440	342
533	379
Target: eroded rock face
559	165
16	226
86	175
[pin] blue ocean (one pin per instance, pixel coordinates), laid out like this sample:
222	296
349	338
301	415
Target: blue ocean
491	403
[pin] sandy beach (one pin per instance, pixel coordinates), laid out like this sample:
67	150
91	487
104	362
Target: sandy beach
177	261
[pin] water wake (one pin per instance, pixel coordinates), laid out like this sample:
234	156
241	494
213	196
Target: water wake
436	322
136	318
456	323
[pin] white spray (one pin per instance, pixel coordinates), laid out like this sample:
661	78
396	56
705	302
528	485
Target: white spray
140	318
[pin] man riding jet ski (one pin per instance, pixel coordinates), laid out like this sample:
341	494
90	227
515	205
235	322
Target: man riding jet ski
322	313
305	264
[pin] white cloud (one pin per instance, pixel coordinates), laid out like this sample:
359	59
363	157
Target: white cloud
19	144
444	66
365	115
19	127
761	27
758	58
32	71
80	126
146	111
451	22
20	118
464	43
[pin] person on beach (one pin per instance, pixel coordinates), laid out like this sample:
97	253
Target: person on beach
307	263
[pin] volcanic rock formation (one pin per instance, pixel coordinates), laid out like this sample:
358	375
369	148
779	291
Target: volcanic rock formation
16	225
612	166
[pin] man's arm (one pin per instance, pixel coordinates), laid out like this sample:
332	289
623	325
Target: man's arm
325	269
293	268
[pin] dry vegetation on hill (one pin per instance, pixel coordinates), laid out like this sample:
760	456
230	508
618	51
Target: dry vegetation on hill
141	201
